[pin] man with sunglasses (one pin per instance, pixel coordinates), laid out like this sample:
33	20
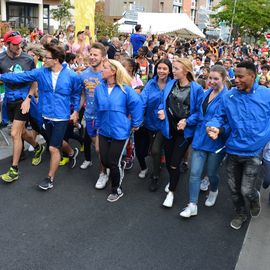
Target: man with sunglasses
17	97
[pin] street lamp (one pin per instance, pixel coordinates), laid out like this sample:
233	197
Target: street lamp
234	7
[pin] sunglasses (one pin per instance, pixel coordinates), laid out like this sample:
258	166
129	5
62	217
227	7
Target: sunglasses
14	34
48	58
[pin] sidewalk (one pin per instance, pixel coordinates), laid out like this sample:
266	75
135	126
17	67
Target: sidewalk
256	248
5	149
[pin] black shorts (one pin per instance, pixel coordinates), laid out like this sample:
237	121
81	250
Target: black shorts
15	112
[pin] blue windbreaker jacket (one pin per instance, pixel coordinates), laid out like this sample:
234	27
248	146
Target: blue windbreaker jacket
201	141
196	94
54	103
248	115
113	111
151	98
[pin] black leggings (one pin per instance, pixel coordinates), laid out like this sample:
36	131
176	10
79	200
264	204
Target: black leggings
157	144
111	152
175	149
148	141
142	143
87	146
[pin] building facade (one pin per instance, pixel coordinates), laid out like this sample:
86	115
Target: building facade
27	13
115	8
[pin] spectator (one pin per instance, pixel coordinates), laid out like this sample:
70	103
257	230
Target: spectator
137	39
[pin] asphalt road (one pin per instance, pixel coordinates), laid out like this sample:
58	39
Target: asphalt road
73	226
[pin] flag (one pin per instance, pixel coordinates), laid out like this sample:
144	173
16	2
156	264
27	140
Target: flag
84	15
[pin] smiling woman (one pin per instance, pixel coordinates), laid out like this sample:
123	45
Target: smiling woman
149	138
206	151
119	111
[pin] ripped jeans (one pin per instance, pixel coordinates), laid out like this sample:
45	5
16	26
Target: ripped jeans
242	173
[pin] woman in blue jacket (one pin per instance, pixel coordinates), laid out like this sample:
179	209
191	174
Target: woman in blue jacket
115	101
150	134
179	112
206	150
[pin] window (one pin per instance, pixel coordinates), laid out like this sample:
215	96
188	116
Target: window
161	7
177	9
211	4
46	19
131	5
22	15
193	14
194	4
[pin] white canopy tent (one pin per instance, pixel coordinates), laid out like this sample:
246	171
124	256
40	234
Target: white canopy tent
161	23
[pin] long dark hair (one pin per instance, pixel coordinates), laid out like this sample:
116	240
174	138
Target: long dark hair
135	66
167	63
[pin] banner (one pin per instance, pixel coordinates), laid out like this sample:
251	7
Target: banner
84	15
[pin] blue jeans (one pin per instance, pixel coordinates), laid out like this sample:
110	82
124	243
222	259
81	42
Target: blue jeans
198	160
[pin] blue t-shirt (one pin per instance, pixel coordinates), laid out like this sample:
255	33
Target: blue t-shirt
91	80
137	42
231	73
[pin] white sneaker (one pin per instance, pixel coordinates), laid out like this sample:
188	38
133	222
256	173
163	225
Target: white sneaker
143	173
190	210
212	197
204	184
102	181
31	148
166	189
169	200
86	164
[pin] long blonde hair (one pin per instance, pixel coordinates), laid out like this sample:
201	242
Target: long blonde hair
121	76
187	66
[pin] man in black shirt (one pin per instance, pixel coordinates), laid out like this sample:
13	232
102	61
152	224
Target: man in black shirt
18	97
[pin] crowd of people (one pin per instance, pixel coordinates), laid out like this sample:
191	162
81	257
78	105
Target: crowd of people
191	104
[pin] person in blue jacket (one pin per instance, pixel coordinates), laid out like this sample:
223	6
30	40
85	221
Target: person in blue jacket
115	101
58	87
246	109
204	149
150	133
179	113
137	39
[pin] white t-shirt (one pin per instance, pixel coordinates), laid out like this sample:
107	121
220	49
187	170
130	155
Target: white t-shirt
110	90
54	78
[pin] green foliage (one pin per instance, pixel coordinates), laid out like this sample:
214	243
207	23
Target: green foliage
104	27
251	16
23	30
62	13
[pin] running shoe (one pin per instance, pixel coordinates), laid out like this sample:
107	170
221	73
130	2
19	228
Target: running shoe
10	176
38	155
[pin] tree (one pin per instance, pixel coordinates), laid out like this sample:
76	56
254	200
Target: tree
104	26
62	13
251	17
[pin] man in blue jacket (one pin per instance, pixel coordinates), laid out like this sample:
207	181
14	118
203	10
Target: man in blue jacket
59	87
137	39
246	110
